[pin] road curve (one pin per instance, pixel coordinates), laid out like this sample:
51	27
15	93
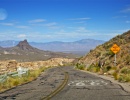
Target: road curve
81	86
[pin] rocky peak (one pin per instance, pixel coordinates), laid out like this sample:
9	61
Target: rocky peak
24	45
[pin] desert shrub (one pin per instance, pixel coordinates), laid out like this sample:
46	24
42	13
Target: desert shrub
127	59
114	68
127	78
34	73
110	53
15	82
124	78
121	78
106	69
91	50
98	54
93	68
106	46
115	75
42	69
125	70
107	62
80	66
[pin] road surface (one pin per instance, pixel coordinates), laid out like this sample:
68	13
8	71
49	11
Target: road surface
80	86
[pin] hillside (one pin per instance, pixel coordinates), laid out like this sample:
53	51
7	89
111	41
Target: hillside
80	47
101	59
25	52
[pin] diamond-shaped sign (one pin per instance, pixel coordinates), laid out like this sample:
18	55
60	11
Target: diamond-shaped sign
115	48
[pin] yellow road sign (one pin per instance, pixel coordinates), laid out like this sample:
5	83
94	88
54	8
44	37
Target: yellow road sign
115	48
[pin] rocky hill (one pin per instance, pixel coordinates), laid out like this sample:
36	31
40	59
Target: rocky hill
25	52
102	58
104	54
24	45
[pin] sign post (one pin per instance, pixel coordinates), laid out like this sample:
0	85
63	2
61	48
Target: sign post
115	48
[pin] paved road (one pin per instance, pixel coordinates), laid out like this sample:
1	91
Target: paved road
81	86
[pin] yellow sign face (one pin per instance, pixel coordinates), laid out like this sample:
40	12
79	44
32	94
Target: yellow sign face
115	48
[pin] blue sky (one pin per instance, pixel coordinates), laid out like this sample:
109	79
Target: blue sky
63	20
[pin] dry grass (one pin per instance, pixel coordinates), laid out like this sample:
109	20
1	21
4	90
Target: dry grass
15	81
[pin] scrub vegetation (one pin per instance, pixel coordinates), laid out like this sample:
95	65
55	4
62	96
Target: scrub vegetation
102	60
15	81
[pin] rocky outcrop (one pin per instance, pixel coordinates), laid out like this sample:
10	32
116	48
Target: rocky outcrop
24	45
51	62
10	66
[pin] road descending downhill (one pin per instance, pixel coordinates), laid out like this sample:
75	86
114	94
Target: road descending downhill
66	83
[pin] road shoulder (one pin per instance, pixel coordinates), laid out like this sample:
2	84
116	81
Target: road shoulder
125	86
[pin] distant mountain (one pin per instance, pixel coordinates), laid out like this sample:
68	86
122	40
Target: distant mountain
78	47
8	43
23	51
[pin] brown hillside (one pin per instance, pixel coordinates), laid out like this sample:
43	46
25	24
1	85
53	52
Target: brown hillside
101	59
102	53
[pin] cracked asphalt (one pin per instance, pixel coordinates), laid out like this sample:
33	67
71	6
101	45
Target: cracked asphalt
81	86
85	86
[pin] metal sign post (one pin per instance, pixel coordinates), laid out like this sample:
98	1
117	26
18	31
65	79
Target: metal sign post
115	59
115	48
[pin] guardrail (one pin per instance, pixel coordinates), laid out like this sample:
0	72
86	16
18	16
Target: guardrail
20	71
3	78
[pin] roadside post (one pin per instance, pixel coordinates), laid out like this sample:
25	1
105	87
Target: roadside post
19	71
115	48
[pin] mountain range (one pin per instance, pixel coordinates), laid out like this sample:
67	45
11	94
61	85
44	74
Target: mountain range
23	51
80	47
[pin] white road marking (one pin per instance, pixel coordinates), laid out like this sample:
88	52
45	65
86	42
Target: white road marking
80	84
87	83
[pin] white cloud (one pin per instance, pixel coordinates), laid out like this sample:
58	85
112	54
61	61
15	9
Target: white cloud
85	18
62	35
37	21
82	30
21	36
52	25
3	14
7	24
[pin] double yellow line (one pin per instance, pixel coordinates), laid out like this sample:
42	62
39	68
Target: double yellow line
48	97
